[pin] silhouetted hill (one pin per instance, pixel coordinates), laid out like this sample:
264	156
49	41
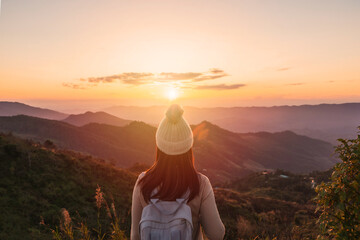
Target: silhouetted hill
117	149
16	108
95	117
237	153
219	153
324	121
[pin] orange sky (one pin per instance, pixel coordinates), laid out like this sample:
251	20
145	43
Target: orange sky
211	53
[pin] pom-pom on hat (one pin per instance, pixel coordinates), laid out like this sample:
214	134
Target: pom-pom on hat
174	135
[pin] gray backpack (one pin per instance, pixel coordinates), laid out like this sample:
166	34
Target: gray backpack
166	220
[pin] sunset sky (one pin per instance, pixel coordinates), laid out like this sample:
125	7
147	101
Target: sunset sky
66	54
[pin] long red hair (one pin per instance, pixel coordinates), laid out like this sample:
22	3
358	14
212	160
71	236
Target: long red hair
173	175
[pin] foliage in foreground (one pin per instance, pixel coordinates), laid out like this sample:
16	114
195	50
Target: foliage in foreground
38	182
81	231
339	200
265	211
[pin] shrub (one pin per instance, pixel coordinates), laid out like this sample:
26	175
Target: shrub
339	200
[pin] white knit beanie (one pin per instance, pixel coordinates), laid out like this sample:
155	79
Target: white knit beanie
174	135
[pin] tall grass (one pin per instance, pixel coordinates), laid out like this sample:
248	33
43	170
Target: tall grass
69	229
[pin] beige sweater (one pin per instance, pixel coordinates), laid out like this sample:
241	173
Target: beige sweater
203	209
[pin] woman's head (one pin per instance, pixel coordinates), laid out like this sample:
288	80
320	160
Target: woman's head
174	135
173	172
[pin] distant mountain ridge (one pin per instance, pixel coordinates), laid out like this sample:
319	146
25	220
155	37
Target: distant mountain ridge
95	117
16	108
220	153
324	121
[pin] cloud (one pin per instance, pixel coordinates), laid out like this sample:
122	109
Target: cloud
216	70
74	86
283	69
213	73
143	78
209	77
179	76
134	78
220	87
295	84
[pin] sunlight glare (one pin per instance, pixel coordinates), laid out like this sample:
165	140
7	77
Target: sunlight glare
172	93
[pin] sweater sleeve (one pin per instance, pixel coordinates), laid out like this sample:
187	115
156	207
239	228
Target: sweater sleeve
136	211
209	214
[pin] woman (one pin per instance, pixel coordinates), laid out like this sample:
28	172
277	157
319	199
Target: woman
173	176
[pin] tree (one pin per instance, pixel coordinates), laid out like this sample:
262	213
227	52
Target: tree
339	200
49	144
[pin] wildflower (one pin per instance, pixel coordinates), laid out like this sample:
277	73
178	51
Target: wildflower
42	222
66	226
66	216
99	197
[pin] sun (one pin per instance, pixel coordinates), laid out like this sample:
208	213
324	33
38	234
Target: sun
172	93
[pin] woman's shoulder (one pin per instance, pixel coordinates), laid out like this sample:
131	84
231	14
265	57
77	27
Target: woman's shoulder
204	181
141	175
203	178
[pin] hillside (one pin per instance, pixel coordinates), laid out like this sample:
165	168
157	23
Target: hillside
324	121
16	108
37	182
95	117
262	211
253	152
219	153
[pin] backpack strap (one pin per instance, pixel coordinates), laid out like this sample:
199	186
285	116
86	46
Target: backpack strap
186	195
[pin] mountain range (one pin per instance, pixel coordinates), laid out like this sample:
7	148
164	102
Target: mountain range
16	108
222	154
327	122
324	121
95	117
